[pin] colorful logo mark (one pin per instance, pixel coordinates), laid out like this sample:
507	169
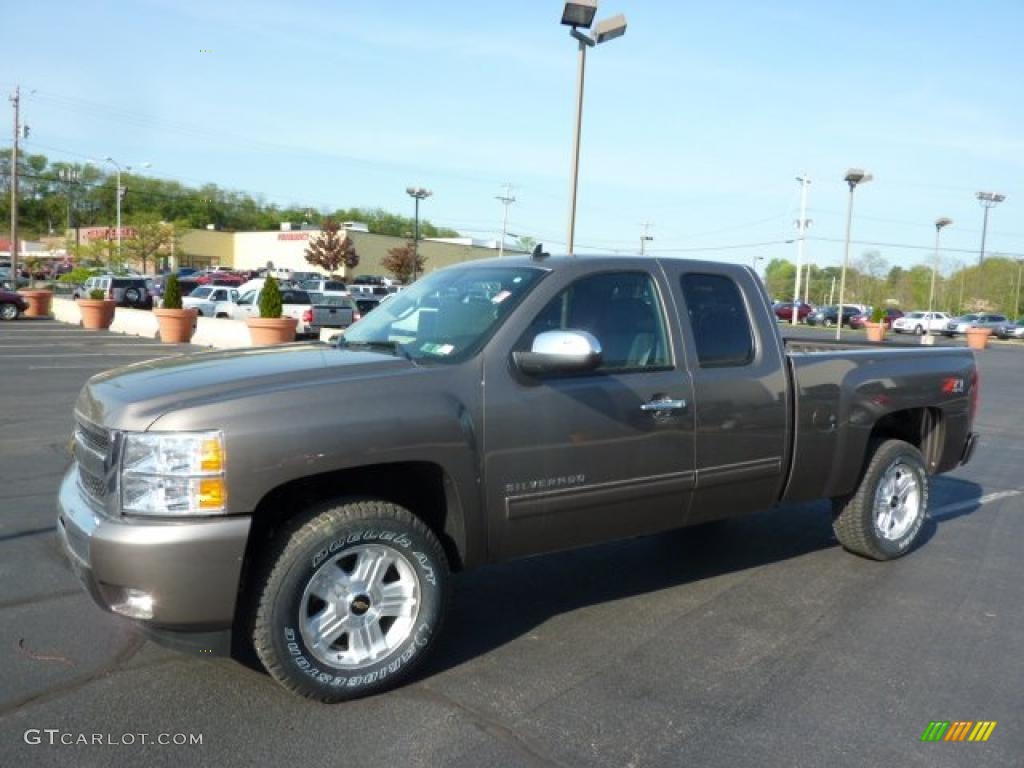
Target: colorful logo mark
958	730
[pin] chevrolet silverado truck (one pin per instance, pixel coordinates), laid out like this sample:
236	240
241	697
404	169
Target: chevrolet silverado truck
309	502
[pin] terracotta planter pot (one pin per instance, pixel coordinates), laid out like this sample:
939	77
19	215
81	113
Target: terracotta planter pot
875	331
271	330
977	338
38	302
97	314
176	325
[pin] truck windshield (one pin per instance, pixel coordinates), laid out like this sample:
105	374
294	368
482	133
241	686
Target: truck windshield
447	316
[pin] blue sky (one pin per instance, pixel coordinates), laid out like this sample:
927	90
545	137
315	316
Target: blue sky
697	120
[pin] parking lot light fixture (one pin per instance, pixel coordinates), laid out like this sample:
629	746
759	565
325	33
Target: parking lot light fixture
988	201
853	177
581	14
417	194
120	194
940	224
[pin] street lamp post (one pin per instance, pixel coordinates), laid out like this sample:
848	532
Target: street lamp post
753	262
988	201
853	177
802	228
417	194
120	194
580	14
940	223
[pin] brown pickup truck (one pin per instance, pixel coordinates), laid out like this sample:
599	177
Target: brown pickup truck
310	500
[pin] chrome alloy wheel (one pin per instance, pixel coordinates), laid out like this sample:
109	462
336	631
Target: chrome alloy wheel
897	501
359	606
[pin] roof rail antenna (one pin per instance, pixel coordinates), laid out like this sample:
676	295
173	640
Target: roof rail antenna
539	252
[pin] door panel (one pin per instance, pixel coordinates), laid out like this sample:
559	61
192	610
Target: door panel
740	393
574	460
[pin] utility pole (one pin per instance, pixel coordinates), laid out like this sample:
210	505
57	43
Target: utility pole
16	101
801	238
807	285
832	292
507	199
645	239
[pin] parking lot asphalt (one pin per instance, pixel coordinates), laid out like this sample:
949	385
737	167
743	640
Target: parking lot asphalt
756	642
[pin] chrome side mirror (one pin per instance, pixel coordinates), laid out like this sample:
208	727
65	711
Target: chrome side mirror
560	352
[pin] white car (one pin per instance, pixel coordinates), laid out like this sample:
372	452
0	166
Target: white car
919	322
325	287
212	300
294	303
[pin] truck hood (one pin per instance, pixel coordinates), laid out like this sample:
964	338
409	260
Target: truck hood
133	397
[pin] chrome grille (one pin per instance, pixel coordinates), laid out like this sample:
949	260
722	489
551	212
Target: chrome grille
92	437
92	485
92	452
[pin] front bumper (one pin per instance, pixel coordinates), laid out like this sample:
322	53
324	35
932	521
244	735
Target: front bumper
191	568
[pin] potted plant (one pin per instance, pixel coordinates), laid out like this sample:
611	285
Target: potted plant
270	327
876	328
977	338
176	324
97	311
38	299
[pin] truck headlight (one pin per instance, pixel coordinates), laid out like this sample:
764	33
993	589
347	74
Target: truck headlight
173	473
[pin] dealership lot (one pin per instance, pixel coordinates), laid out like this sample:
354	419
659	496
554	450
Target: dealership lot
754	642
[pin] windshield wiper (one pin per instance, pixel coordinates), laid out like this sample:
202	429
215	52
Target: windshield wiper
391	346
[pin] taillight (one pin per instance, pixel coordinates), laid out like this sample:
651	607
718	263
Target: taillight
356	317
307	316
975	394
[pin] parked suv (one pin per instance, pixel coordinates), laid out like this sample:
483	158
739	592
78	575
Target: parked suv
126	291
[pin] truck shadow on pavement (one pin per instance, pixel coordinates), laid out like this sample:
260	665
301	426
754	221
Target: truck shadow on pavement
495	605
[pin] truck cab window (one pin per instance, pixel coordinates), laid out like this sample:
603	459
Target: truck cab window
719	319
623	312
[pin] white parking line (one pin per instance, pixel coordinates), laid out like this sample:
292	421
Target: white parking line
960	506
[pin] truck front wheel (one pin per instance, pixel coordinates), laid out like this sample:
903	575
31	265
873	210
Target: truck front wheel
883	518
353	601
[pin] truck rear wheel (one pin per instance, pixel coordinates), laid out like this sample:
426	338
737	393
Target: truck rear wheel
353	601
883	518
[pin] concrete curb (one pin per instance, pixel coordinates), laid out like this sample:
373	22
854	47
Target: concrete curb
210	332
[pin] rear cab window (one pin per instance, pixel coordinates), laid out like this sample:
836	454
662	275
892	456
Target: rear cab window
719	320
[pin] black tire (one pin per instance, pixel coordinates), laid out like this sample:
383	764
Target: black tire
332	536
854	517
132	296
8	311
919	331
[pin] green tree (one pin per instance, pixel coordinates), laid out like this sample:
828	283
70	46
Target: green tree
780	279
153	238
270	299
172	292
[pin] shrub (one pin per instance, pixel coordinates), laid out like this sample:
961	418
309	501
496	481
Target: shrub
97	294
270	299
77	275
878	315
172	293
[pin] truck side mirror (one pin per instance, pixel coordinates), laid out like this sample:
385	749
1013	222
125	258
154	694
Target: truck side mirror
559	352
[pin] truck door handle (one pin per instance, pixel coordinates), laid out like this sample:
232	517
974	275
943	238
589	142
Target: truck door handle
663	404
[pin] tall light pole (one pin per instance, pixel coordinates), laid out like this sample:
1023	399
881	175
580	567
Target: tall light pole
16	103
802	229
120	195
69	176
753	262
988	201
506	199
577	14
417	194
853	177
940	224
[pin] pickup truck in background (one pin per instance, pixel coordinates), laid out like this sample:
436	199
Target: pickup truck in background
504	408
332	311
